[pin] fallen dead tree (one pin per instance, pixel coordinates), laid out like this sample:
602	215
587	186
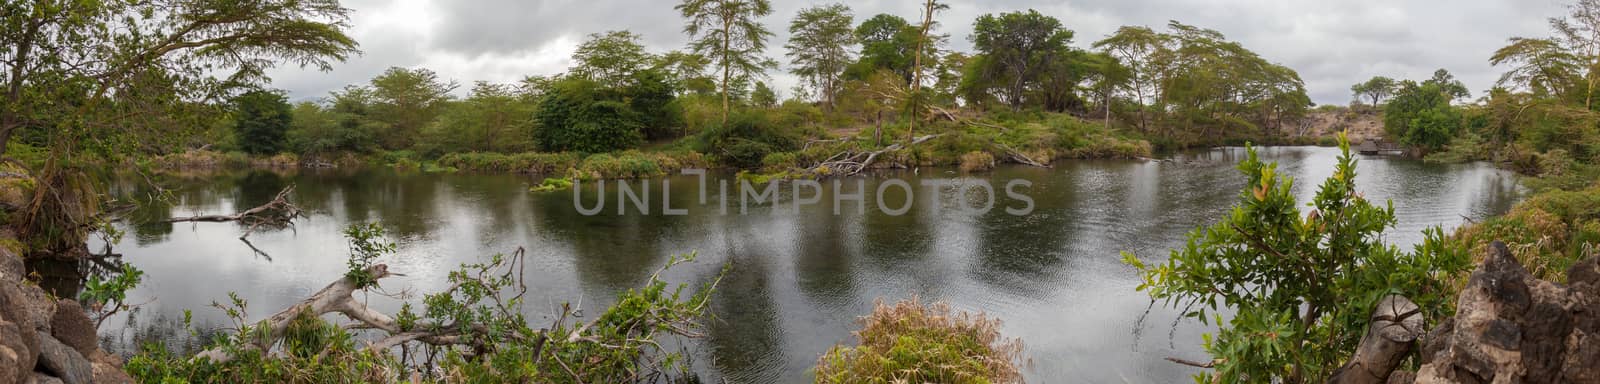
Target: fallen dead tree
851	161
276	213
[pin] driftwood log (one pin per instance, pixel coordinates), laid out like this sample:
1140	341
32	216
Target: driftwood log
852	162
1391	336
339	297
276	213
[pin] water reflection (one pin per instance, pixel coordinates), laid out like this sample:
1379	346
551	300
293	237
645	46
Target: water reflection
799	280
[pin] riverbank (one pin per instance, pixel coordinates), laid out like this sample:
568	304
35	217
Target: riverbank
972	144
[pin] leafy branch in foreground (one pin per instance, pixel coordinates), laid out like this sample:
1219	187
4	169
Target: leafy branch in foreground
1300	288
473	331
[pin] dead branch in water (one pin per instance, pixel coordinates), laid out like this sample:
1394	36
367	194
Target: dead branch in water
851	162
277	213
339	297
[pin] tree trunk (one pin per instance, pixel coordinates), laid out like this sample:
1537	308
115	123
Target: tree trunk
1396	325
727	67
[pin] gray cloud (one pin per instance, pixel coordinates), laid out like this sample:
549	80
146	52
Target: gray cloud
1331	43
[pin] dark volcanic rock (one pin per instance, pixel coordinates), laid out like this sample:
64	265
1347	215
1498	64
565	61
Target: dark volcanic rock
73	327
1513	328
64	362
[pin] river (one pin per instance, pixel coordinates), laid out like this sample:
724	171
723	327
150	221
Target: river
799	279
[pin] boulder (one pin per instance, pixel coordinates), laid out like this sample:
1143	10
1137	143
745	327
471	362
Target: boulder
1513	328
73	327
64	362
40	378
108	369
17	335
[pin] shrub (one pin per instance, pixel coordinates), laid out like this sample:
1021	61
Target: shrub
917	343
1307	283
529	162
745	140
579	115
977	161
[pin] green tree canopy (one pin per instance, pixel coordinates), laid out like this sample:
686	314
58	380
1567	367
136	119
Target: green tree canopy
1018	48
611	58
1420	114
405	101
494	118
578	114
1375	89
730	33
819	47
260	120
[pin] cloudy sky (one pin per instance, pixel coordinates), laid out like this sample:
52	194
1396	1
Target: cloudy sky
1332	43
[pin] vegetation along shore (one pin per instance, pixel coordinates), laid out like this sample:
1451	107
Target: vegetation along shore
1293	291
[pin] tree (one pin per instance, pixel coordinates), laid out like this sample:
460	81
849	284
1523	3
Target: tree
1448	85
729	33
1017	47
923	44
94	78
1580	33
1376	89
1420	115
763	96
1136	47
1542	66
68	67
260	119
406	100
654	98
1301	285
611	58
819	41
687	71
578	114
1201	82
493	119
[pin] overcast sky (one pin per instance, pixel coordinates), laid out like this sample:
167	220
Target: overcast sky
1332	43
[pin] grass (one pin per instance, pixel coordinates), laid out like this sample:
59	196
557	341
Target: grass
913	342
529	162
1548	232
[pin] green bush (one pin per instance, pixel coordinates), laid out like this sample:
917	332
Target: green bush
746	139
924	343
1302	286
579	115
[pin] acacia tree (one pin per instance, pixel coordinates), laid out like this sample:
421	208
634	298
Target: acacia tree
406	101
101	76
923	43
1375	89
1543	66
728	32
1017	47
1136	47
819	43
611	58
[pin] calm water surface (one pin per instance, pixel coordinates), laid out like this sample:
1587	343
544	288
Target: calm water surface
799	279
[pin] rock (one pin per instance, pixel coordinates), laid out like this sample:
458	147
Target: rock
72	327
63	361
11	265
1402	377
40	378
1513	328
108	369
17	334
